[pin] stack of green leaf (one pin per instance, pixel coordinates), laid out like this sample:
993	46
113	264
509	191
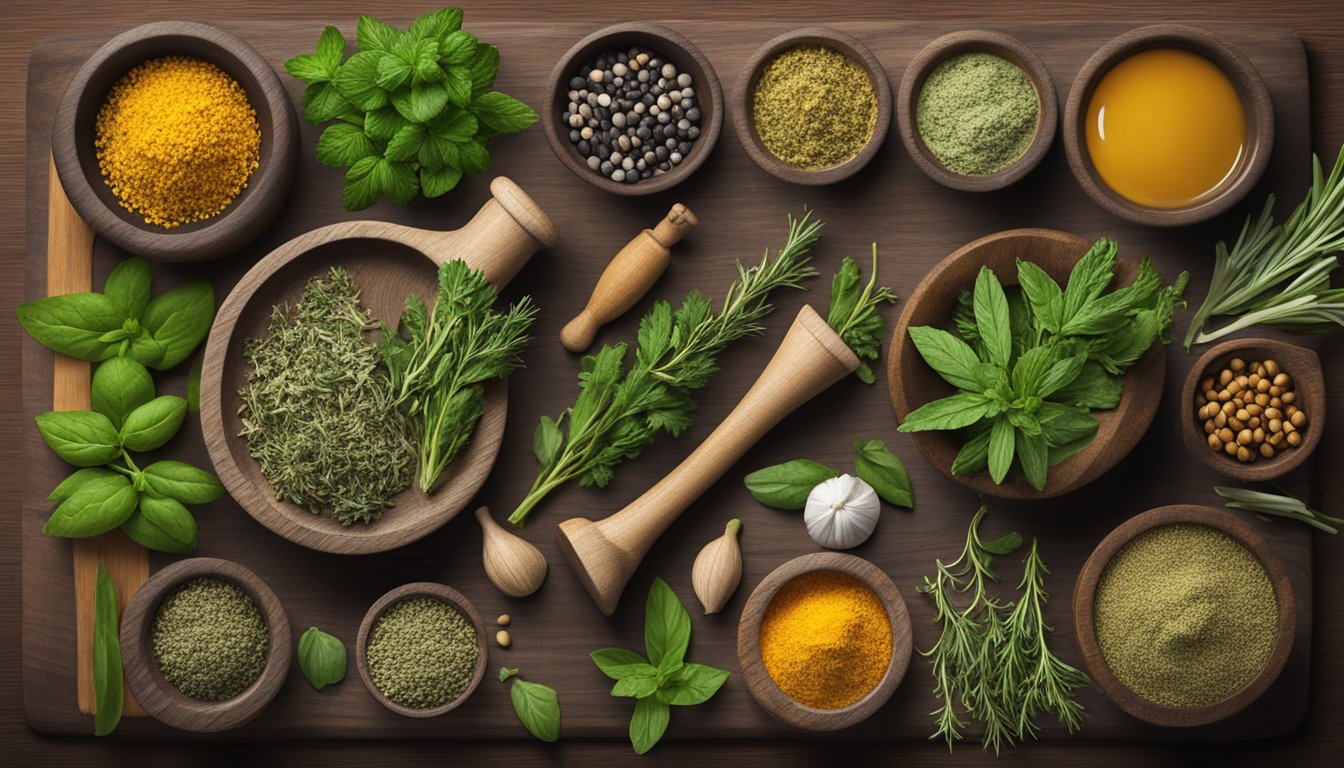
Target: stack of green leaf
1031	365
414	107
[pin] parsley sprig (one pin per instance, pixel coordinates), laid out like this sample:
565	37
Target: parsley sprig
853	313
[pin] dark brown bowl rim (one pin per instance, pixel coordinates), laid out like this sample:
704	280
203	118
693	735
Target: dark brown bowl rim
1084	596
977	41
436	591
1240	72
856	51
669	43
160	698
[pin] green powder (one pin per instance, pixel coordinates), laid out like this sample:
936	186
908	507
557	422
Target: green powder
814	107
209	639
977	113
422	653
1185	615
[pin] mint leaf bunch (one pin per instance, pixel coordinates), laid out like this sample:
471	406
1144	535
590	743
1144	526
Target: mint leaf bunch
414	108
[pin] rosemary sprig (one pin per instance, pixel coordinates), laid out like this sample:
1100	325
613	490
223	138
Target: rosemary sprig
1267	506
853	314
1280	276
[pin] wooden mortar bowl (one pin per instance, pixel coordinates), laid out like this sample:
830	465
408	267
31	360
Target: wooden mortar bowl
743	97
912	383
1084	594
406	591
1298	362
764	689
1250	88
679	51
77	161
160	698
977	41
387	262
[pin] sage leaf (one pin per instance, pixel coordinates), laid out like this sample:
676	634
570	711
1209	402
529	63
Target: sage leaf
617	663
74	482
82	438
181	481
120	385
990	305
953	412
636	686
1000	448
108	684
537	707
322	658
649	723
154	423
787	485
179	320
99	505
1006	544
72	324
667	626
883	470
949	357
692	684
547	442
161	524
506	672
128	287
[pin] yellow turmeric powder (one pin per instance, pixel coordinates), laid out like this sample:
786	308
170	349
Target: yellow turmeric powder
826	639
177	140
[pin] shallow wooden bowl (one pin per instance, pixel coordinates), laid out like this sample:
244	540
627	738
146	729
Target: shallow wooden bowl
406	591
77	162
1308	382
912	383
976	41
759	682
678	50
160	698
1244	77
1084	594
745	125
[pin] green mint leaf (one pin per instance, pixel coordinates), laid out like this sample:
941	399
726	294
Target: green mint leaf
844	293
648	723
1089	277
383	124
617	663
108	694
882	469
374	35
309	68
99	505
538	709
667	626
1043	294
340	145
1033	455
453	125
394	72
973	456
1064	424
692	684
405	144
81	438
128	287
457	48
1000	448
361	188
331	49
322	658
72	324
181	481
1060	375
437	23
457	85
950	357
426	62
357	81
547	440
991	317
954	412
154	423
322	102
423	102
637	686
1031	368
504	113
506	672
440	182
179	320
161	524
1004	545
474	159
1094	387
120	385
483	67
75	481
787	485
398	180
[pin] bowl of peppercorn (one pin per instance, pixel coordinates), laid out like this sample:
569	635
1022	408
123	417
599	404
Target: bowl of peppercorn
634	109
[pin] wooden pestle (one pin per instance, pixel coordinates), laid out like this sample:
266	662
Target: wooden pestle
629	276
606	553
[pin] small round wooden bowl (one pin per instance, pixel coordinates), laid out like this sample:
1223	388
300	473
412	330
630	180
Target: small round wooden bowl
764	689
745	124
1244	77
76	157
406	591
1084	595
160	698
1308	382
976	41
679	51
912	383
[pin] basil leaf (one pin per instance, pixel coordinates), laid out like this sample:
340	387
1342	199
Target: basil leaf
692	684
100	504
953	412
948	356
179	321
667	626
787	485
161	524
616	663
973	456
1044	295
120	385
1000	448
1032	454
547	441
108	693
649	723
506	672
991	317
1004	545
154	423
321	658
636	686
128	287
144	350
538	709
82	438
181	481
72	324
882	469
74	482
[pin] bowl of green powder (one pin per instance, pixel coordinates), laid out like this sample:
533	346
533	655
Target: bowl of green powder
977	110
205	645
1184	615
421	649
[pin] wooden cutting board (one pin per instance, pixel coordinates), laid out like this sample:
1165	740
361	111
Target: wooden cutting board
742	210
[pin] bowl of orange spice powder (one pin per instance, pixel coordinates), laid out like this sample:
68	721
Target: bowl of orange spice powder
176	141
824	641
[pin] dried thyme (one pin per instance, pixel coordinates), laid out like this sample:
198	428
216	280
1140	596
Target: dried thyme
210	640
814	107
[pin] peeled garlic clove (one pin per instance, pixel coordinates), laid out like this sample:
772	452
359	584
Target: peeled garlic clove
842	512
718	569
512	564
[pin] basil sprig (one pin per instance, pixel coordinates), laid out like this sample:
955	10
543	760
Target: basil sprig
322	658
787	485
108	686
537	706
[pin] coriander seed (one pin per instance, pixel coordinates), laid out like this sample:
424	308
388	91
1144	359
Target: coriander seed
422	653
210	639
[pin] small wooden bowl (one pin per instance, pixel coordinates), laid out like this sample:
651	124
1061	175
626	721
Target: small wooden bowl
1084	595
160	698
406	591
977	41
912	383
77	162
1250	88
745	125
679	51
764	689
1308	382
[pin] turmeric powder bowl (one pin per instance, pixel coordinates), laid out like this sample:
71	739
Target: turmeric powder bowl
186	176
824	641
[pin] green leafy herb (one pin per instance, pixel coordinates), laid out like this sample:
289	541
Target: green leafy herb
620	410
537	706
161	524
1267	506
853	314
1280	275
882	469
108	694
506	672
414	107
322	658
664	679
787	485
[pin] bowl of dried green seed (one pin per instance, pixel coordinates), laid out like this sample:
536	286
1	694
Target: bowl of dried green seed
205	645
421	649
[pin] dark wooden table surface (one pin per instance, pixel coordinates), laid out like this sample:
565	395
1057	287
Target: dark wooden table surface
1320	23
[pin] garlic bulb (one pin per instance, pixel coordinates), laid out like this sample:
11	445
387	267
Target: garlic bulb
718	569
841	512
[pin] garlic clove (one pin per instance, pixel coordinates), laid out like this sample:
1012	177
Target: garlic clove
718	569
841	513
513	565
